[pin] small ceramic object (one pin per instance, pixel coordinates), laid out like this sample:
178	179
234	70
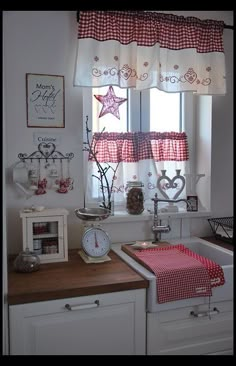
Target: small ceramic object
39	208
41	186
33	173
27	261
53	171
63	186
26	209
33	186
55	185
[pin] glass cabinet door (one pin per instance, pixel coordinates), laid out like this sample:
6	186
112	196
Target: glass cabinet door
45	237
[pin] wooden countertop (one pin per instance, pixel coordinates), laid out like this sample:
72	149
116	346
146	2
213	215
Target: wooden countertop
73	278
76	278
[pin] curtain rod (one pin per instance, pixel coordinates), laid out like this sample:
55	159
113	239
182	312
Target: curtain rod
226	26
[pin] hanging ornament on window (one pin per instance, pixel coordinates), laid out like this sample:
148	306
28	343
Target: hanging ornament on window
110	103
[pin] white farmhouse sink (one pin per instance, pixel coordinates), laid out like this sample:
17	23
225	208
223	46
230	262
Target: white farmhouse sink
223	257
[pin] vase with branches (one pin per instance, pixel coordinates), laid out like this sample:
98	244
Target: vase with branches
106	185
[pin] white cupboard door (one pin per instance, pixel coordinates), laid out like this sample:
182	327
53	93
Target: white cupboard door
101	331
114	327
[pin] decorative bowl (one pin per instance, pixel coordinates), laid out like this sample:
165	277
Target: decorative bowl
92	214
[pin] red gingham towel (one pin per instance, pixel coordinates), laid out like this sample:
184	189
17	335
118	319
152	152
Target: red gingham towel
181	273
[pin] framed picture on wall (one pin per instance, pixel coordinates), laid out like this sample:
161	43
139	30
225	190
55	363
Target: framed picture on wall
45	101
193	203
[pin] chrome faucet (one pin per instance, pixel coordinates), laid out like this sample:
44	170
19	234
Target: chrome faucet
158	229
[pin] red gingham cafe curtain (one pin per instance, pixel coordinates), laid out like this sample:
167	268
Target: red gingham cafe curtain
114	147
143	50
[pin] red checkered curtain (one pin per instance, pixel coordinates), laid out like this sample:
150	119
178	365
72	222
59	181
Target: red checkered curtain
141	156
142	50
114	147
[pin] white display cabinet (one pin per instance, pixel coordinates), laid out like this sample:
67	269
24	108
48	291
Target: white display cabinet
45	233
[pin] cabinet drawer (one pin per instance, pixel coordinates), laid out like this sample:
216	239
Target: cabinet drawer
76	303
196	311
190	330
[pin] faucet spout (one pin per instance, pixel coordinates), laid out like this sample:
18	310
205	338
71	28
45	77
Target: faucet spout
156	228
188	204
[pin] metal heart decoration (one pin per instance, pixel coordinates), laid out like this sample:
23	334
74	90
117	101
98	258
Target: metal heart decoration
171	184
46	149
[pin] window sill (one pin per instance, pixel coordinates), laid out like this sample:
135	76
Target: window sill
123	216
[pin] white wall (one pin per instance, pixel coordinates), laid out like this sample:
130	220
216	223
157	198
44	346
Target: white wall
40	42
222	140
45	42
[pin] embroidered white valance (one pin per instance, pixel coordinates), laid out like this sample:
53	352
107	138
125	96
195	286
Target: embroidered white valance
143	50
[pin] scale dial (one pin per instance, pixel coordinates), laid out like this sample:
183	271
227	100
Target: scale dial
96	242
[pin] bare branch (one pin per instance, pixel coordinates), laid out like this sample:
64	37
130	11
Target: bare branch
106	188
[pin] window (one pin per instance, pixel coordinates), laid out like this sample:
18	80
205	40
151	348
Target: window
153	105
149	110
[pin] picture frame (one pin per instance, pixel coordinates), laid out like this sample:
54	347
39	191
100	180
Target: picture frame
45	100
193	201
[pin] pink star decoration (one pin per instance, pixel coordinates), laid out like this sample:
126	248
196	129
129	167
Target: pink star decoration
110	103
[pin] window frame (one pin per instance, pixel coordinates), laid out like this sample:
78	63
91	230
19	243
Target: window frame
135	116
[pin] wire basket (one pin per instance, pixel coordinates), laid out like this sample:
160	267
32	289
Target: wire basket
223	228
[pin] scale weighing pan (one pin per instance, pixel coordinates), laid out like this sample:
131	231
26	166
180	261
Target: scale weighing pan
92	214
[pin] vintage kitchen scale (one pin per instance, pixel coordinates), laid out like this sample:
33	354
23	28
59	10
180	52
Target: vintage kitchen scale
96	243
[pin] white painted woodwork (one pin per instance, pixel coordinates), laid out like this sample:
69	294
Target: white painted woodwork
115	327
171	329
177	332
59	216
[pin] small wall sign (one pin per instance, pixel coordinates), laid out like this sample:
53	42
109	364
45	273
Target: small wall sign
47	138
45	100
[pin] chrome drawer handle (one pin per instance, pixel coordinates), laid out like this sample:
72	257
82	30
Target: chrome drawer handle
205	313
83	306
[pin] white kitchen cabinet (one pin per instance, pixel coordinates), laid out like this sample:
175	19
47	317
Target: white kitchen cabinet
179	332
45	233
105	324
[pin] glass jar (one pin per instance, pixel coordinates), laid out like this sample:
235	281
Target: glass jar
27	261
135	197
50	246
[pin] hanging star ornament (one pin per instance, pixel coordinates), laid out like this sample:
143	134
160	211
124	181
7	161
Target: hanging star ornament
110	103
